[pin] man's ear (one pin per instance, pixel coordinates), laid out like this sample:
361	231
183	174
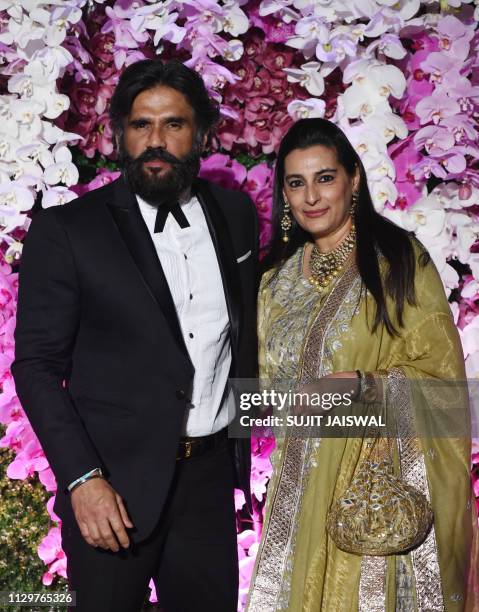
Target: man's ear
202	142
117	140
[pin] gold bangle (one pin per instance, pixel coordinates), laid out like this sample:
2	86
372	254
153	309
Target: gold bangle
369	389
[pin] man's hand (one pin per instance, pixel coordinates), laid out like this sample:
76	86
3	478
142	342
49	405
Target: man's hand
101	514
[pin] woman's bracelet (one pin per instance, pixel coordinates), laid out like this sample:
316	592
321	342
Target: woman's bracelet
356	393
369	388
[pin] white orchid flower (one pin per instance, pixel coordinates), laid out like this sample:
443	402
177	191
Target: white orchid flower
364	100
429	216
60	20
389	45
466	231
472	359
389	125
28	132
383	191
22	31
449	276
29	169
302	109
454	306
61	153
53	134
56	196
385	78
40	15
62	172
5	172
14	250
390	80
37	152
53	103
450	195
48	65
470	337
269	7
8	148
21	84
159	18
356	71
309	31
56	105
234	50
392	17
27	114
14	201
235	21
9	125
473	263
400	217
365	140
383	167
309	76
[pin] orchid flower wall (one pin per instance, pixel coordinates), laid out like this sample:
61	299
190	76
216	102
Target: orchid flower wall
401	78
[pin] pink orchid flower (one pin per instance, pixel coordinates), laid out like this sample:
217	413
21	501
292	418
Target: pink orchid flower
50	551
223	170
436	107
454	37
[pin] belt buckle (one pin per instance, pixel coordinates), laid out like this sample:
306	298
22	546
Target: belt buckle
188	447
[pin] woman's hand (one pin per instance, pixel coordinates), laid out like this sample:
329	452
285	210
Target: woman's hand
323	394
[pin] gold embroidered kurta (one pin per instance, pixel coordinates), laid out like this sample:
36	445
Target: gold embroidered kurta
303	336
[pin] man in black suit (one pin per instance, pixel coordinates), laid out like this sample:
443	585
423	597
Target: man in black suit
136	302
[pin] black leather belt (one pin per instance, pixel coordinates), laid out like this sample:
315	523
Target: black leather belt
199	445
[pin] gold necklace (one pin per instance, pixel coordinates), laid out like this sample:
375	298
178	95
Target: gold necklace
325	267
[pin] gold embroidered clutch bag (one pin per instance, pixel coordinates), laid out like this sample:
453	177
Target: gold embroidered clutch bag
379	514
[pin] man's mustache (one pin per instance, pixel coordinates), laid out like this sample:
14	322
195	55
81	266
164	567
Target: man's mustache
159	154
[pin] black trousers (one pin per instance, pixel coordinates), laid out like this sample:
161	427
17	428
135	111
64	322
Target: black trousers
191	555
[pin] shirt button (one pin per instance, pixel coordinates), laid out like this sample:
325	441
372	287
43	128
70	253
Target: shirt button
180	394
191	296
185	255
190	335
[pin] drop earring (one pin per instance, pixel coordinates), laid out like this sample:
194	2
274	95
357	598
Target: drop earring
286	221
354	203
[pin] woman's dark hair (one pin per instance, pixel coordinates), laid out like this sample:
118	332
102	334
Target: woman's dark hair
147	74
375	234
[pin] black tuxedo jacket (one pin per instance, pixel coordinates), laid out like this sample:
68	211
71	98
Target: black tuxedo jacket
101	368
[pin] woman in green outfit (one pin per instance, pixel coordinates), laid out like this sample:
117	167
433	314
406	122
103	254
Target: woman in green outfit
348	295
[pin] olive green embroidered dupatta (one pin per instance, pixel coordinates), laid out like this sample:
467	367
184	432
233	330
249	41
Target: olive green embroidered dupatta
298	567
274	561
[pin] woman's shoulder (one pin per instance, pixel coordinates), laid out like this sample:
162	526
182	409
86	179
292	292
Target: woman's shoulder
425	268
266	278
420	252
428	285
286	271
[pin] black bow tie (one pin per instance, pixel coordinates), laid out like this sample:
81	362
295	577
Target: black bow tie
163	212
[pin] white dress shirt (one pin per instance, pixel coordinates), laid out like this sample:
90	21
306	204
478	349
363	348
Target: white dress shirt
188	259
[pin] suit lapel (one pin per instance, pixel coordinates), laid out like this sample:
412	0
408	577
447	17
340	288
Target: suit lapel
127	216
220	235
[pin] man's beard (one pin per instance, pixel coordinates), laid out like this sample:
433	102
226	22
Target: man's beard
165	186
